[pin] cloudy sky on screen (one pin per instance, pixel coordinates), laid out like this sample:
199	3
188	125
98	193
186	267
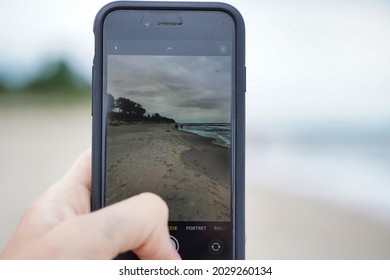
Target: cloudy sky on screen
185	88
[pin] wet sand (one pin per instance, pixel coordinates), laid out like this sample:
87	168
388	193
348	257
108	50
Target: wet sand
188	171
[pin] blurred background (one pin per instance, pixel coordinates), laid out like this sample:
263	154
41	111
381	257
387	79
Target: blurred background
318	118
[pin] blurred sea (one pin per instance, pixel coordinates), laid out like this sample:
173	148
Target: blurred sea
348	167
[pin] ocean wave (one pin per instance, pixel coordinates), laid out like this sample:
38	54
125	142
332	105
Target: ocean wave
219	132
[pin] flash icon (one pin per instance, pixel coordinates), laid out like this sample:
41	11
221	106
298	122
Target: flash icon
115	48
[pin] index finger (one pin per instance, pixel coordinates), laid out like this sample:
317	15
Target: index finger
138	224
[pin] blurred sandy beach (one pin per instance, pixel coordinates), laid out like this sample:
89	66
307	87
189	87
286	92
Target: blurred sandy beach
282	226
38	143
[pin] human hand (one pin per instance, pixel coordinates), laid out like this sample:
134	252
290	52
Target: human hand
60	225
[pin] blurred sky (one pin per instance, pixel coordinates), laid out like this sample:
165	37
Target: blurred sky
306	59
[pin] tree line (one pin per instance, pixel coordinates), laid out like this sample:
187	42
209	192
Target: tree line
127	110
54	77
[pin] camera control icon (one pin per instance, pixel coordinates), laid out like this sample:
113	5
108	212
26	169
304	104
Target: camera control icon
216	246
175	243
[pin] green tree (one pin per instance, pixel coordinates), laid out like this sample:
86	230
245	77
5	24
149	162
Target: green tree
55	77
129	108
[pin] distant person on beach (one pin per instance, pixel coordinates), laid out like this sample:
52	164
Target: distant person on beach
60	225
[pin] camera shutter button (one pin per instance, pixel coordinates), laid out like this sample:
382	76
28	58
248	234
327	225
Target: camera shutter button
175	243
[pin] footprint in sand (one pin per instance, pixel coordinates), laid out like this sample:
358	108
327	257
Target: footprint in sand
216	202
197	175
218	196
183	180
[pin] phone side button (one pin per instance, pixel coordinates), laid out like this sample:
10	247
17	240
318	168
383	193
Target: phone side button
92	104
93	80
244	78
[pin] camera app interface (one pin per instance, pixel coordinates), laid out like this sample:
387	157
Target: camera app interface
168	131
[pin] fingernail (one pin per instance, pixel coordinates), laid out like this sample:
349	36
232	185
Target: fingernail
173	254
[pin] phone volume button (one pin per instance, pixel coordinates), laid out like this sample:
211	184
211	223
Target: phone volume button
93	77
244	80
92	89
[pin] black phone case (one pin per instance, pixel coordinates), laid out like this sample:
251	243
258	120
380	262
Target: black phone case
238	166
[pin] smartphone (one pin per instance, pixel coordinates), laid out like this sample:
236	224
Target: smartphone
169	118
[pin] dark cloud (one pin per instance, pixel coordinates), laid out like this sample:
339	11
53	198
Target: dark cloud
186	88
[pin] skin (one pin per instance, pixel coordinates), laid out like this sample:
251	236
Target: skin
60	225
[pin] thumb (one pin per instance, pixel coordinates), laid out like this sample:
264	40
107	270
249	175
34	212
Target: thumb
138	224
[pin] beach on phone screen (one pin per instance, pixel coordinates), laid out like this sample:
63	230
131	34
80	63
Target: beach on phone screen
168	131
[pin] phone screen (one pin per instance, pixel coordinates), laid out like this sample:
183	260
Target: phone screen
168	100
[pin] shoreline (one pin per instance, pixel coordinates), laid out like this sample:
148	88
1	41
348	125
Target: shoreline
218	138
206	137
177	165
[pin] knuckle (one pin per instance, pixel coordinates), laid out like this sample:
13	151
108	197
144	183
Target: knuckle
29	213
